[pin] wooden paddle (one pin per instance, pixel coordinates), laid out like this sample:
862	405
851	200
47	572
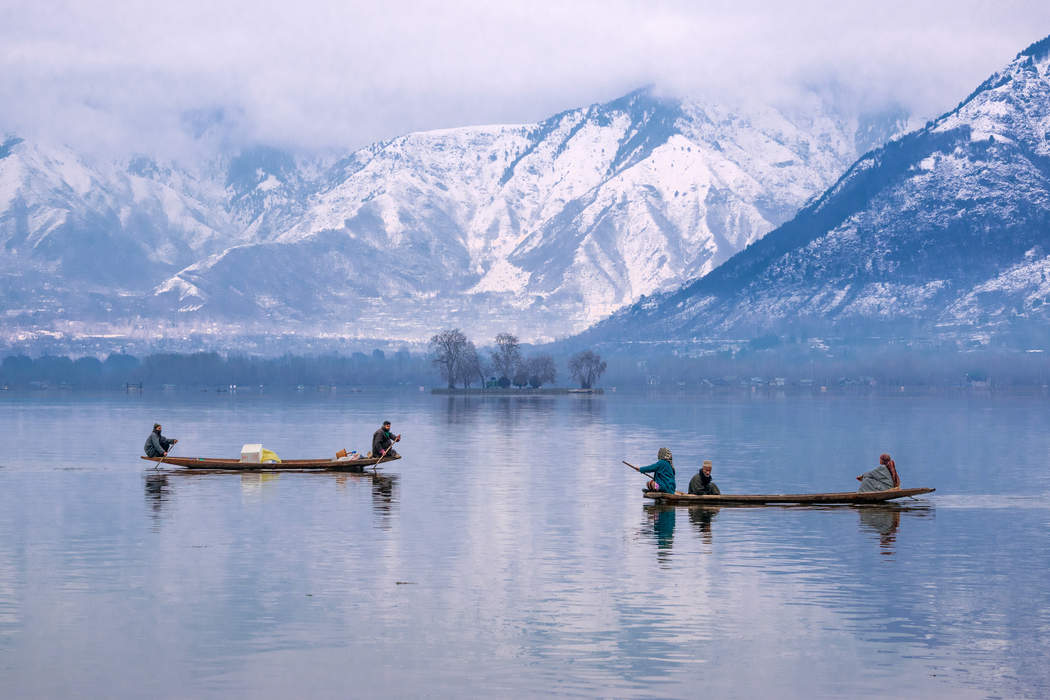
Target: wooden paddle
383	455
165	456
678	493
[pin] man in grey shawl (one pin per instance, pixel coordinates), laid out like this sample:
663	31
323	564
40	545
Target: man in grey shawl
156	444
882	477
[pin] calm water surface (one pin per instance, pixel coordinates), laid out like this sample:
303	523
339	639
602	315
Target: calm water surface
510	553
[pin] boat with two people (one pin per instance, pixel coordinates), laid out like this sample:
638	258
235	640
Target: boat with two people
255	458
235	464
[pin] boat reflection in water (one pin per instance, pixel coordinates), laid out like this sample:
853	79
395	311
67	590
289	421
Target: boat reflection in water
253	483
883	519
160	486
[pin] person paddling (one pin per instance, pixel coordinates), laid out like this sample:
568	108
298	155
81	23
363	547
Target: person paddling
383	441
156	444
882	477
662	470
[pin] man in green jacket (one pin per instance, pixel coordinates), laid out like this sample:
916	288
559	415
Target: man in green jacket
662	471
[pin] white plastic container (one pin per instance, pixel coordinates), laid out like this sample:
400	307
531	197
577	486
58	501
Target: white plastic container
251	452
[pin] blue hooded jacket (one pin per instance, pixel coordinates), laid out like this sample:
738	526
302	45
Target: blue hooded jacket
663	475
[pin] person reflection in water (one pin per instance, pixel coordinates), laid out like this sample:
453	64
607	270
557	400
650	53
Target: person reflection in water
663	518
882	477
157	491
701	517
884	520
701	484
662	470
383	491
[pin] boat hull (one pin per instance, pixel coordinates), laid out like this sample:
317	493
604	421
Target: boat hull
846	498
288	465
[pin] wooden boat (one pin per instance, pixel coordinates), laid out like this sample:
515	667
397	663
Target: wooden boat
206	463
848	497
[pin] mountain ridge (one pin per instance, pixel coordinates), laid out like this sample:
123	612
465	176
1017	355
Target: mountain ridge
915	234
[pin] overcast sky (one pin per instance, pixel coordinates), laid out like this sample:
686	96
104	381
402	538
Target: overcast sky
127	76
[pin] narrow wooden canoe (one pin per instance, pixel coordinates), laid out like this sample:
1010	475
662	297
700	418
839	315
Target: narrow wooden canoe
354	465
759	499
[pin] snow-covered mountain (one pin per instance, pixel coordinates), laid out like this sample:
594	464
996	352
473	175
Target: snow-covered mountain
540	229
77	239
945	230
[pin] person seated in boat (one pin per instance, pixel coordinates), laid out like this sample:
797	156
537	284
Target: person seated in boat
701	484
156	444
662	470
882	477
383	441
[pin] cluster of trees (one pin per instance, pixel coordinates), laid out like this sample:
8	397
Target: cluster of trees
459	362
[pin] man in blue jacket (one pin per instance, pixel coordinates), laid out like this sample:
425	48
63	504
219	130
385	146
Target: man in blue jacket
662	471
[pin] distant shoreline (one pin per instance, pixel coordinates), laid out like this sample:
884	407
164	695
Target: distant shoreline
515	392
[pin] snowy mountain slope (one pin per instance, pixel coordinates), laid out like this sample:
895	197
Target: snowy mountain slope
87	241
119	228
944	229
540	228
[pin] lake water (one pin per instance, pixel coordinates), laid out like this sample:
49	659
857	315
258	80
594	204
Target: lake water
510	553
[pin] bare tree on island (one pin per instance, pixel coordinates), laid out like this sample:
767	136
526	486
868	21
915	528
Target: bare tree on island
506	358
540	370
470	366
586	367
448	348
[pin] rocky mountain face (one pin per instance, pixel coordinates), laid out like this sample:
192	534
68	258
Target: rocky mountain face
539	229
945	230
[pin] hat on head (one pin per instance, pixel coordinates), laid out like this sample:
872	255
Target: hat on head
664	453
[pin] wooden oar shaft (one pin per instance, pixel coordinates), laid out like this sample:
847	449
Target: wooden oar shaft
390	447
164	456
636	469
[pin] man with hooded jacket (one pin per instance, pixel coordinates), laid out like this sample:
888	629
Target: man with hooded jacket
156	444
